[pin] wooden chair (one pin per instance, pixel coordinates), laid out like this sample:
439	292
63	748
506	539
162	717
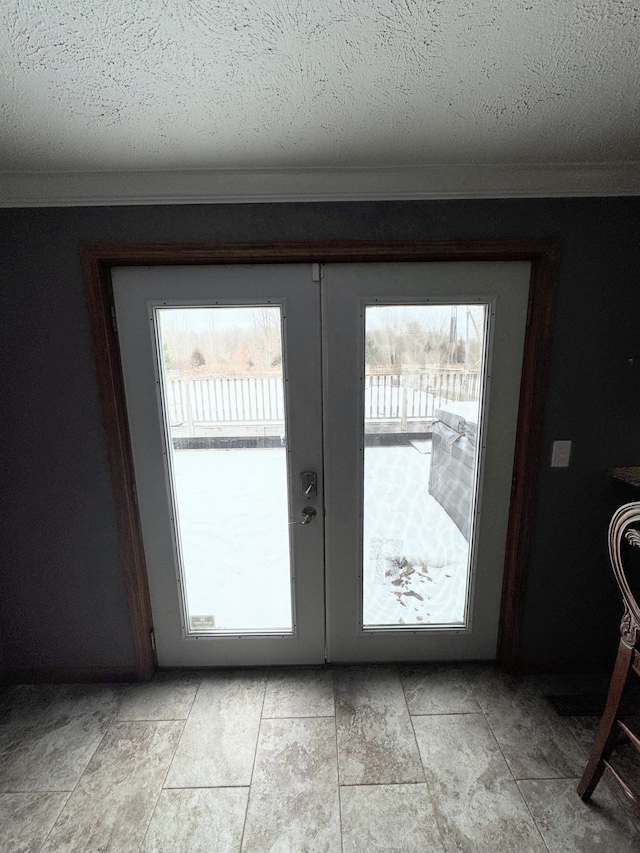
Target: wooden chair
624	551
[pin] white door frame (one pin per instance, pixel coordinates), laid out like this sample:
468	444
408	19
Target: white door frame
97	260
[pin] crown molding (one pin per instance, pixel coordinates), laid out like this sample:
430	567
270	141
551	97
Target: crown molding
402	183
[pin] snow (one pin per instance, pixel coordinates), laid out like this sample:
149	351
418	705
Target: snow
415	558
233	523
234	532
466	410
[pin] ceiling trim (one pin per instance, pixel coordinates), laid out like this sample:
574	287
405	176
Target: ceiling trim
74	189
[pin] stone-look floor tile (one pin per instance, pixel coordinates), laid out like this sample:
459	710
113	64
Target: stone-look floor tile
53	757
534	739
438	690
376	744
583	729
168	696
24	704
570	826
625	758
478	805
75	700
293	803
25	820
388	819
10	738
218	744
197	820
111	806
299	693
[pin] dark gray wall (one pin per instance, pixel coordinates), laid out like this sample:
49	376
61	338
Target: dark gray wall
62	598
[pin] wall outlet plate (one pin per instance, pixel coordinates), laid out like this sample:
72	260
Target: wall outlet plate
561	454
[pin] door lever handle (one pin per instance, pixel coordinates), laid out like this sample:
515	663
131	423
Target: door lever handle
308	484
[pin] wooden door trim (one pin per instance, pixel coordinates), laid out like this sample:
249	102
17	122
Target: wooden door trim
97	260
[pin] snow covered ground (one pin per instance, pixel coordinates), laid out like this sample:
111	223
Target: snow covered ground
415	558
233	523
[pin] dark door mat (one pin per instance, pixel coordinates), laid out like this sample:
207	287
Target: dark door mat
588	705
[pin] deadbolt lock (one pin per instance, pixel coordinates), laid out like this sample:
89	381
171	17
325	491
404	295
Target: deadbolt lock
308	514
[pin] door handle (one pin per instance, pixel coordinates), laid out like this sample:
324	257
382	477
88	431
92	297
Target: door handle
308	484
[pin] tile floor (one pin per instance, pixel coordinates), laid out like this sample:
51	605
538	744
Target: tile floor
429	759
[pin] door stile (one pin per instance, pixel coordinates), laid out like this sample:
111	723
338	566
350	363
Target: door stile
352	291
241	291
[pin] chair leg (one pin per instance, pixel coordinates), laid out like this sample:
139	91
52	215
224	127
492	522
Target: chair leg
606	735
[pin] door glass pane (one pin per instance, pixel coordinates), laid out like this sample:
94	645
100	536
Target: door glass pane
424	367
223	400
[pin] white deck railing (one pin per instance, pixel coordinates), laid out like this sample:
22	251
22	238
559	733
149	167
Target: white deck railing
211	400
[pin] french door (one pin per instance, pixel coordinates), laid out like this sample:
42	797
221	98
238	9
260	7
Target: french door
323	455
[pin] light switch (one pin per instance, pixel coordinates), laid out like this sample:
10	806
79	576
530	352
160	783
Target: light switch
561	454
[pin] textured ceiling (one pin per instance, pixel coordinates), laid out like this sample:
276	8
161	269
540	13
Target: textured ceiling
202	84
